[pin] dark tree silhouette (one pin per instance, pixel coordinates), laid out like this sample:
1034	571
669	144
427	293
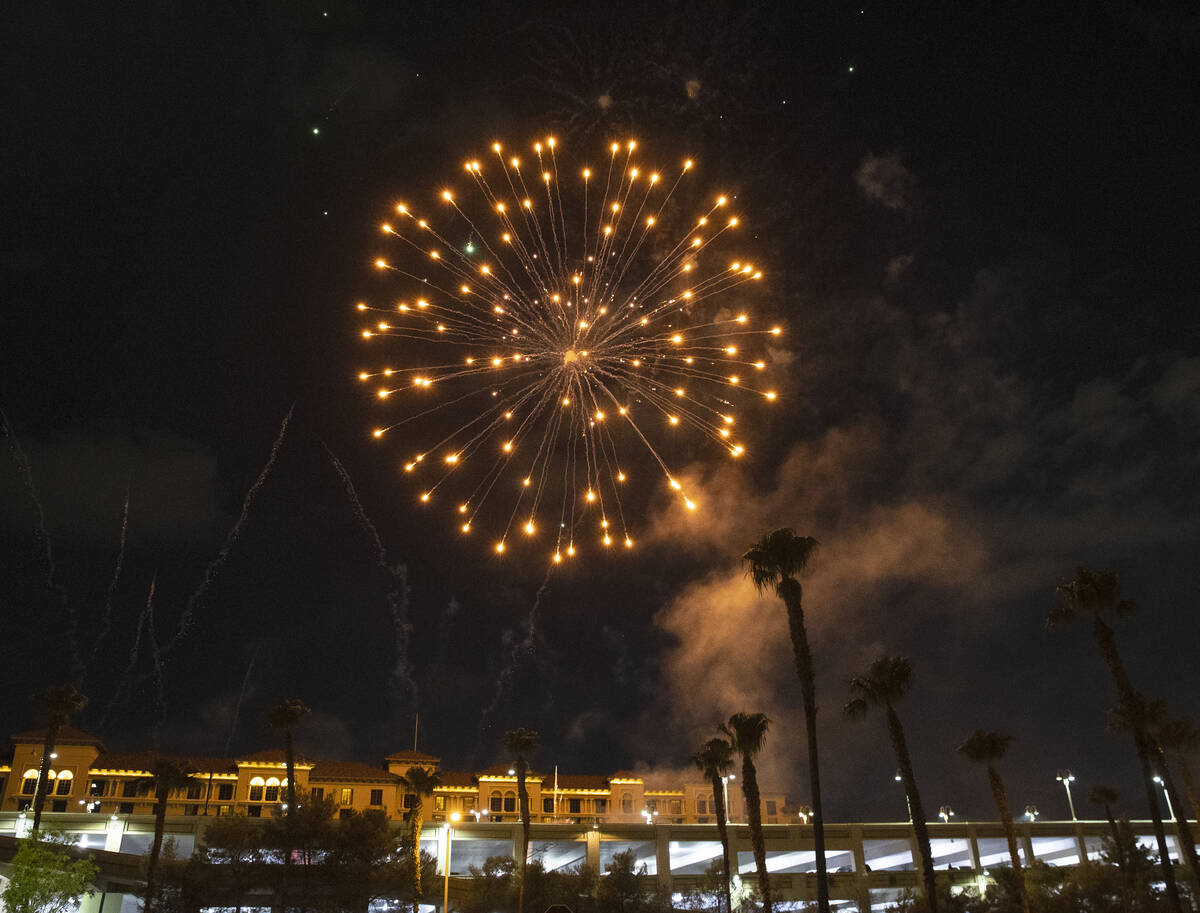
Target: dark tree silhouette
883	685
715	760
988	748
520	744
774	561
746	733
56	706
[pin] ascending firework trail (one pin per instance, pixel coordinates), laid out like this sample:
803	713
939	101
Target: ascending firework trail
404	685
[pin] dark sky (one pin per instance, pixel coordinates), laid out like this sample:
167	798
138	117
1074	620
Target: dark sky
976	227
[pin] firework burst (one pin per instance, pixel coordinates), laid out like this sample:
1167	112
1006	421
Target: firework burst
549	330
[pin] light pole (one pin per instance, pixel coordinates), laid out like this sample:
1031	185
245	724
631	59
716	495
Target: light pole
1066	778
1166	795
945	813
725	790
454	818
907	801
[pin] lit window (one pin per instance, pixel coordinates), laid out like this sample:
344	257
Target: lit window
347	796
439	802
63	787
29	784
497	802
377	797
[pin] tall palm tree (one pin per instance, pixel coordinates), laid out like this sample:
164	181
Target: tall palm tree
167	775
746	733
1105	796
715	760
885	682
774	561
1097	594
1181	738
55	706
988	748
285	717
1144	715
520	744
421	781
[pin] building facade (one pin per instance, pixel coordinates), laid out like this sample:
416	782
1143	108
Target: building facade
86	777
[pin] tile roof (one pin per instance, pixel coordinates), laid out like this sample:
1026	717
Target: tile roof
579	781
67	735
270	756
502	770
420	756
143	760
349	770
458	778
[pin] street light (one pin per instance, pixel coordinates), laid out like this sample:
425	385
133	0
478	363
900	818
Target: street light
1066	778
1031	812
804	814
455	817
1166	795
649	815
945	813
725	789
907	802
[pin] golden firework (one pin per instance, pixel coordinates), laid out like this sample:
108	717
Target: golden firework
561	332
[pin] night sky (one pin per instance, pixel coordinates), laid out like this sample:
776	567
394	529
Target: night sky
976	226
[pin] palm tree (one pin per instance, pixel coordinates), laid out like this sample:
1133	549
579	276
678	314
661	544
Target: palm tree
746	733
285	717
1105	796
1180	738
167	775
56	706
988	748
774	561
421	781
1143	715
715	760
520	744
884	684
1098	595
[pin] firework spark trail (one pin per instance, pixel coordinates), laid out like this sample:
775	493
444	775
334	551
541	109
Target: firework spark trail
517	649
106	621
51	585
237	708
403	681
121	693
231	539
160	685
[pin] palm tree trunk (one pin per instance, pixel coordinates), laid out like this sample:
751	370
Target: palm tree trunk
1122	859
920	826
723	831
790	592
1160	833
160	819
523	808
289	754
1187	843
1010	832
1190	785
43	783
754	818
418	811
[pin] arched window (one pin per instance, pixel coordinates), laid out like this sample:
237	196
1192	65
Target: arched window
626	803
272	790
495	805
29	783
510	801
63	783
256	789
